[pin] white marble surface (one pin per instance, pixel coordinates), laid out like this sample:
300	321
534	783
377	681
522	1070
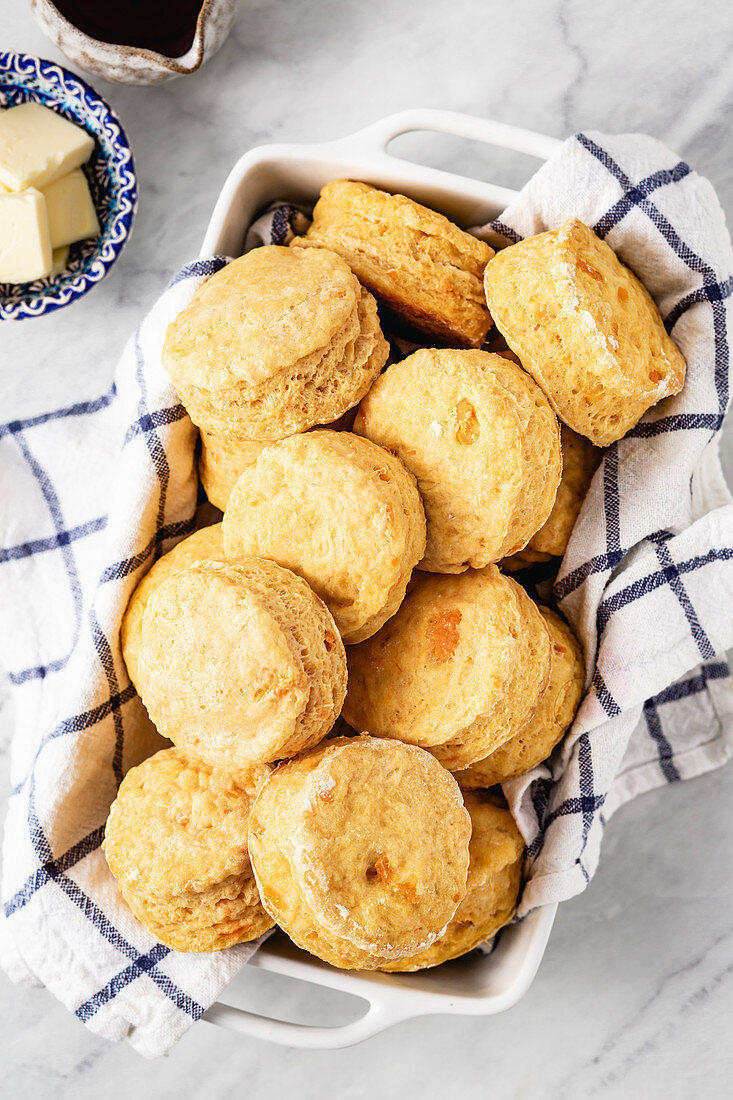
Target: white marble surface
635	994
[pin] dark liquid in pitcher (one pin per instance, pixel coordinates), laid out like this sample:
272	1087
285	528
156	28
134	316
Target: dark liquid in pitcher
166	26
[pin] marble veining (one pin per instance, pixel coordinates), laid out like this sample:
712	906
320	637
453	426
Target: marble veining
635	994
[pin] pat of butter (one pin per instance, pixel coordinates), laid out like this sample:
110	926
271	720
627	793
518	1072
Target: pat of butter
71	213
60	260
37	146
25	243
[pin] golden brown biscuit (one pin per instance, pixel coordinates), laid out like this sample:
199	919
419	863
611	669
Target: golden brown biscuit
547	726
459	669
482	442
416	261
340	512
580	460
275	342
206	543
176	841
496	855
240	663
360	850
585	328
222	461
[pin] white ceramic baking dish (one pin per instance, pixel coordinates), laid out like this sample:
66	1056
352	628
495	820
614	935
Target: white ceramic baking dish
478	984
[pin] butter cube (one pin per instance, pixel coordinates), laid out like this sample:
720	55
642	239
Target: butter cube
60	259
71	213
37	146
25	242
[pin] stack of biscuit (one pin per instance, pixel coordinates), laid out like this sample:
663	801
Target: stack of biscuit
339	862
174	843
345	672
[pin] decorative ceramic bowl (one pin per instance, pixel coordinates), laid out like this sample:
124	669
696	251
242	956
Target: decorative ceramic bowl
133	64
110	173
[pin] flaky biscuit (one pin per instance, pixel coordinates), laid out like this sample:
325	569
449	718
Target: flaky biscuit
240	663
206	543
553	716
339	511
585	328
275	342
496	855
459	669
420	264
446	416
360	850
176	841
580	460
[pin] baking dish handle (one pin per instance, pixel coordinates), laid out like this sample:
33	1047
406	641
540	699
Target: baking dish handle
377	136
513	965
379	1016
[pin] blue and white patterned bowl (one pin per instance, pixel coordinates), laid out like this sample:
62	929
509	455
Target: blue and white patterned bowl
110	172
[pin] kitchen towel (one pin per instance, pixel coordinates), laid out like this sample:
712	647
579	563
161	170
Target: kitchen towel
91	494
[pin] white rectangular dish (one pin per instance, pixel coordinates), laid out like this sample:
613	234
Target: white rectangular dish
476	985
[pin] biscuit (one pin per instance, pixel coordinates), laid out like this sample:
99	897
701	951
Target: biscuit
360	850
206	543
483	444
240	663
553	716
175	841
496	854
585	328
340	512
580	460
222	461
277	341
416	261
458	670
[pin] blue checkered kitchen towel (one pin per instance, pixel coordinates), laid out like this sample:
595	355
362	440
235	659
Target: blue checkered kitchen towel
92	493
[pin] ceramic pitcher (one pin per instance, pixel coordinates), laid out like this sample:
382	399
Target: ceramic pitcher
132	64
